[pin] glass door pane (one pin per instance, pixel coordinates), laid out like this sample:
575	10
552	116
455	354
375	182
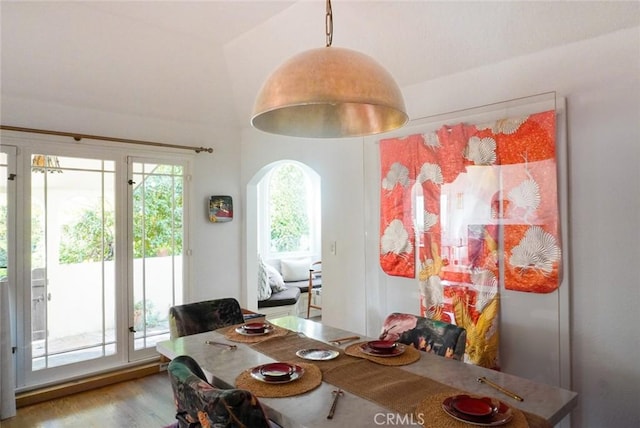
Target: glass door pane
73	295
158	207
4	211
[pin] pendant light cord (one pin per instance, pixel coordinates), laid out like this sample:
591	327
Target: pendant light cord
328	23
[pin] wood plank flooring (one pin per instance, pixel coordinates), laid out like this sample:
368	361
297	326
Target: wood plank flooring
146	402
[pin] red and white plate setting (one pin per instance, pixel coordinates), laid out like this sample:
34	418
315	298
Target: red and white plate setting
277	372
382	348
254	329
477	410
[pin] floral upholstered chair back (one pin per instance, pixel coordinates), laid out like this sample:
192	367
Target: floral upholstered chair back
199	317
199	404
425	334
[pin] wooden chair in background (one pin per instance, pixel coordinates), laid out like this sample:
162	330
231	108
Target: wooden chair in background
314	272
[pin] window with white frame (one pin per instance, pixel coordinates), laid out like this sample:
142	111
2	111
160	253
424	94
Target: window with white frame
289	211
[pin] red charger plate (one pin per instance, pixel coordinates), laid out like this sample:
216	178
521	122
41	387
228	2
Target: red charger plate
502	415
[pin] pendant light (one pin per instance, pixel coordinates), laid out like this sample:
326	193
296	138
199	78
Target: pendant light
329	93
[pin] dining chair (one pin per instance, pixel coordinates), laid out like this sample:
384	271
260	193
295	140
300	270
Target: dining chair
199	404
425	334
314	271
198	317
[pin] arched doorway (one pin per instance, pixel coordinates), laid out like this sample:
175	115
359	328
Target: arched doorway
283	213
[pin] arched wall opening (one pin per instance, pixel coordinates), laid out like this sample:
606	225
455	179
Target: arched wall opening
254	223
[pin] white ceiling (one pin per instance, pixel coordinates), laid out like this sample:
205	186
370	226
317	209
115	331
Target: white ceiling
204	62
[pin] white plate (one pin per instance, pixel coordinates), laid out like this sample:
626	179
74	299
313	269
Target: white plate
242	331
317	354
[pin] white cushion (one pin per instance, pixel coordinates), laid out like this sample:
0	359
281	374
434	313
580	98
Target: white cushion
295	269
275	279
264	289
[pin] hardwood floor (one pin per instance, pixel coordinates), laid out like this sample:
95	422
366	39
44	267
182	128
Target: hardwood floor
146	402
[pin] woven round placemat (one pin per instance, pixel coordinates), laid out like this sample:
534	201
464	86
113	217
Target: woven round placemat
410	355
312	378
231	334
430	413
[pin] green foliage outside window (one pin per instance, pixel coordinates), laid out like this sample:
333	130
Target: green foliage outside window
145	315
36	241
288	209
157	217
157	222
88	239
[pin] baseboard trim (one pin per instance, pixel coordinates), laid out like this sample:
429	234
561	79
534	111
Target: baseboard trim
57	391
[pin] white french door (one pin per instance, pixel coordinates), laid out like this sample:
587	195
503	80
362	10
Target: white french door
73	296
103	238
7	248
156	196
7	208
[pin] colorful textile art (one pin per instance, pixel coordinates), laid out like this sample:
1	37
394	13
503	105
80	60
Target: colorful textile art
448	196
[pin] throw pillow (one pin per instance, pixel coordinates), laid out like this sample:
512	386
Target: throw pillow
275	279
295	269
264	289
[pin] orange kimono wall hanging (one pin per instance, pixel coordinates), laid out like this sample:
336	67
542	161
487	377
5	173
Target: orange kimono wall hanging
457	202
513	156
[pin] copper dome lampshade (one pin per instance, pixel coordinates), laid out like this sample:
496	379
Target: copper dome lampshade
329	93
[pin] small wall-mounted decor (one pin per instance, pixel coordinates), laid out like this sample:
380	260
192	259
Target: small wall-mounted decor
220	209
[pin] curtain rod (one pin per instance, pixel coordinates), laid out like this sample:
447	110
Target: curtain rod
79	137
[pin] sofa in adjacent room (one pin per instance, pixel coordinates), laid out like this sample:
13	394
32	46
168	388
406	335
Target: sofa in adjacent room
283	287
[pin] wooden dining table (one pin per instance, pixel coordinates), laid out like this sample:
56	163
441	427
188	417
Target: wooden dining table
404	391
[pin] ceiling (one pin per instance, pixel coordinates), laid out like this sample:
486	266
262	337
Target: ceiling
204	62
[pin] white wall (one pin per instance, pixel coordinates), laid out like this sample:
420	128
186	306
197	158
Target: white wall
339	164
605	213
216	261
